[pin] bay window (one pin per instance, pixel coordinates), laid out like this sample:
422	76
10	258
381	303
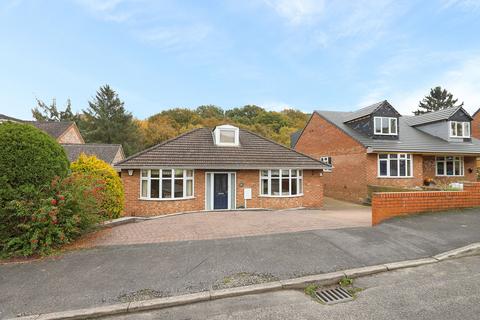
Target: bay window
459	129
281	182
385	126
166	184
395	165
449	166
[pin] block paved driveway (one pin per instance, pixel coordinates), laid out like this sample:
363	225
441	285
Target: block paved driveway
230	224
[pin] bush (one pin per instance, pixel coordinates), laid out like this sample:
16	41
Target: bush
29	159
53	216
113	196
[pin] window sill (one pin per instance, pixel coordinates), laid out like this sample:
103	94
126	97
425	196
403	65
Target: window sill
293	196
168	199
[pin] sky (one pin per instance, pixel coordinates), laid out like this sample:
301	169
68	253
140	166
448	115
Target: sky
304	54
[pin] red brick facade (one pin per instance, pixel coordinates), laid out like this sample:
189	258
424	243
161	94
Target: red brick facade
391	204
354	169
312	197
349	158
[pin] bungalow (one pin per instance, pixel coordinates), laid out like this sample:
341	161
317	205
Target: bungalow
378	146
224	169
67	134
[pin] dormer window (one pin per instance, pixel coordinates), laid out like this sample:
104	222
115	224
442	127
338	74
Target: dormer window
226	135
385	126
459	129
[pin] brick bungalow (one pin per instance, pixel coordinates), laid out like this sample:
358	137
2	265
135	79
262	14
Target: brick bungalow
224	169
378	146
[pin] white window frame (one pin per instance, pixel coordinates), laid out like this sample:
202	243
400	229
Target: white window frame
380	131
230	128
172	179
400	156
268	177
459	159
454	131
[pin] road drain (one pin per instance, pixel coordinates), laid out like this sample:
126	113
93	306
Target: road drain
333	296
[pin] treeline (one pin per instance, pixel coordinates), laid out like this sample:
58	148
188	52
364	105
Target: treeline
107	121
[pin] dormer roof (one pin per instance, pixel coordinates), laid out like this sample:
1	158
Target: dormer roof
440	115
366	111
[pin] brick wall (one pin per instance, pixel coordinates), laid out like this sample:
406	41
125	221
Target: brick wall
476	126
312	198
347	181
386	205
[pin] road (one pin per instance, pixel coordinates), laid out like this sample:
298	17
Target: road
109	275
444	291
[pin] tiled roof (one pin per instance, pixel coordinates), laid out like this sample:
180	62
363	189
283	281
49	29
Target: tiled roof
364	111
429	117
53	128
105	152
196	150
410	138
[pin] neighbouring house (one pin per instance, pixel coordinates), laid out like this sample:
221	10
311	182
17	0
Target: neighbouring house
67	134
376	146
224	169
476	130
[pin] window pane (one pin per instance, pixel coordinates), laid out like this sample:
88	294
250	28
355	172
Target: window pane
300	186
393	156
166	173
275	187
285	173
383	168
264	186
459	129
393	125
294	173
461	167
189	188
155	173
227	136
155	189
383	156
144	173
457	168
189	173
409	168
378	125
466	130
394	168
294	186
403	168
275	173
449	168
285	187
453	129
264	173
178	188
144	188
300	173
440	168
385	125
166	188
178	173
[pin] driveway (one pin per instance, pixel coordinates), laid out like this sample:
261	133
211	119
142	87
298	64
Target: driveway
230	224
111	274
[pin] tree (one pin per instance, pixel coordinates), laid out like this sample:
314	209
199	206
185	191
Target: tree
44	112
246	114
107	121
210	111
438	99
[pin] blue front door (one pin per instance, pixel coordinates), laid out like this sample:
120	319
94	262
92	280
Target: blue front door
220	191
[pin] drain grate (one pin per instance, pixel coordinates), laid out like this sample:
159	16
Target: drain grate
332	296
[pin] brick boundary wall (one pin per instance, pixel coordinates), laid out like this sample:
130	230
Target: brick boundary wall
386	205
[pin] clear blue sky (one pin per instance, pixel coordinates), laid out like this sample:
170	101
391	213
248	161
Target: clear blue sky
306	54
